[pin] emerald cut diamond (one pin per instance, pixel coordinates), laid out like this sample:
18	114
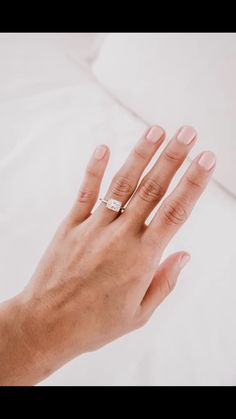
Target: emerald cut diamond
114	205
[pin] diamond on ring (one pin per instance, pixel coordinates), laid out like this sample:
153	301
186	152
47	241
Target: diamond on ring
114	205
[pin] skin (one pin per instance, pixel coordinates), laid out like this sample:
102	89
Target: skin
101	276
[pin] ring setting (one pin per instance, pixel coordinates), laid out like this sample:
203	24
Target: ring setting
113	204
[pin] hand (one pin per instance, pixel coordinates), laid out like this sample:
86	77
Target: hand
100	277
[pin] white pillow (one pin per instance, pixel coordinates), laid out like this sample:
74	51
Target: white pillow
31	66
174	79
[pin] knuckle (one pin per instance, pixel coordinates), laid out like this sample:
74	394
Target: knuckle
85	196
169	285
140	154
172	157
174	212
91	173
192	183
121	186
151	191
166	286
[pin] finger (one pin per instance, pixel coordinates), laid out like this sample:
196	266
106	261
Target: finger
125	181
88	193
154	185
177	207
163	282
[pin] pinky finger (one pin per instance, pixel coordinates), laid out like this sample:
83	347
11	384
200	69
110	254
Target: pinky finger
89	190
163	282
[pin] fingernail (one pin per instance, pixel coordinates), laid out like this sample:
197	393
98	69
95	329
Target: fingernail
100	152
186	134
207	160
184	260
154	134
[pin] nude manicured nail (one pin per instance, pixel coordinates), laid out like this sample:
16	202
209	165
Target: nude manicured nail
207	160
100	152
154	134
186	135
184	260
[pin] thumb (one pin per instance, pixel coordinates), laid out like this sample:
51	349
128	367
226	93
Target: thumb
164	281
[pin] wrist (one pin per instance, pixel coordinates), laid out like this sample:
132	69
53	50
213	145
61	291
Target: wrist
14	353
47	333
21	360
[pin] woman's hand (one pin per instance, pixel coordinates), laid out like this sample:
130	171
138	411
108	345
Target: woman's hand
100	277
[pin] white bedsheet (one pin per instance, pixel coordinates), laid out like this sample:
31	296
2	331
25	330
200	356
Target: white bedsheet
47	132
